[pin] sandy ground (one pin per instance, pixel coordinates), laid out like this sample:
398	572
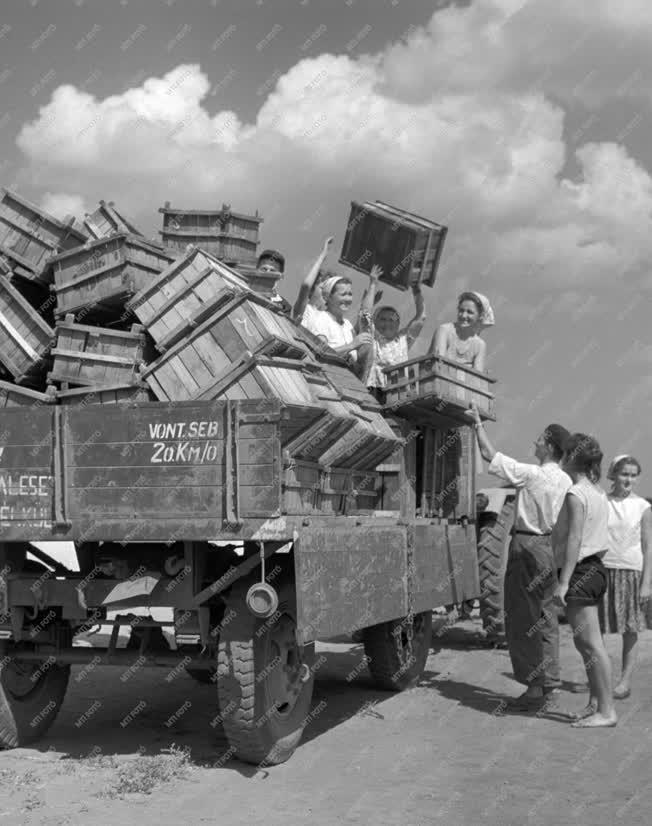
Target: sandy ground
441	753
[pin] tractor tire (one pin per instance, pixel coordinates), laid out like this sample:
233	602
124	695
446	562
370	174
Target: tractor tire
31	695
493	544
205	676
390	664
264	679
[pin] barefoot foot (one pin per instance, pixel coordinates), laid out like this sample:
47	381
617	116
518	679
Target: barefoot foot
596	721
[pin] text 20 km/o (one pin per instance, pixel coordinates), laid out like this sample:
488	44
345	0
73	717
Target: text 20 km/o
186	452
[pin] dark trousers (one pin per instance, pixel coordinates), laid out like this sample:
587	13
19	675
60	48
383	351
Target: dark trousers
531	625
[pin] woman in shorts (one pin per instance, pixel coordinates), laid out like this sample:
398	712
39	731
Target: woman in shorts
580	540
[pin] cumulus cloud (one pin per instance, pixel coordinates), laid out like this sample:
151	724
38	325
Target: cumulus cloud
63	205
449	123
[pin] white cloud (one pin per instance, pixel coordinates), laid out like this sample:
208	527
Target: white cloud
63	205
444	124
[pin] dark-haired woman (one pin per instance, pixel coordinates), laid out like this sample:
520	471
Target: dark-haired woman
580	540
625	604
460	340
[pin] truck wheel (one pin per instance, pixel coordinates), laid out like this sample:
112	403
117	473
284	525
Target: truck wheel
264	679
386	647
493	544
31	695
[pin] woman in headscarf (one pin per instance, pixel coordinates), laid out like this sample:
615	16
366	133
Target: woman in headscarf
460	340
625	607
330	323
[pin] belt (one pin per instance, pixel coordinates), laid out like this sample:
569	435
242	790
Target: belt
529	533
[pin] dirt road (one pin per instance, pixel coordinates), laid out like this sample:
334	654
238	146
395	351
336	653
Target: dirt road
441	753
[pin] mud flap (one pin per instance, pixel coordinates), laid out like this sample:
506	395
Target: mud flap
349	577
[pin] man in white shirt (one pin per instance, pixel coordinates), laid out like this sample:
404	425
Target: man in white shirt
531	625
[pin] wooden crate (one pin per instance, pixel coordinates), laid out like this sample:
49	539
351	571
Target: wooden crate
253	376
239	327
96	356
25	338
437	391
29	236
231	236
301	484
181	291
445	472
365	444
111	394
399	241
106	220
105	274
263	283
13	396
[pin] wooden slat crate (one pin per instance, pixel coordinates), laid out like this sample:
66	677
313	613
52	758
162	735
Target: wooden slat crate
180	291
111	394
446	472
29	236
253	376
367	443
96	356
238	328
231	236
432	389
348	384
106	220
301	485
399	241
25	338
105	274
11	395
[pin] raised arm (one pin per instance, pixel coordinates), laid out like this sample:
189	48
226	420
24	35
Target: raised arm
413	329
487	450
309	281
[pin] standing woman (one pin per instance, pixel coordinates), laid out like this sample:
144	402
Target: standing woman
460	340
580	540
622	611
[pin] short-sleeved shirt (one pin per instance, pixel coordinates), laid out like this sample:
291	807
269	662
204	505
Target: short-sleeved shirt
625	515
540	491
595	533
322	323
389	351
308	316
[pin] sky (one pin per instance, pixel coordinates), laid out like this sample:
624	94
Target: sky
522	126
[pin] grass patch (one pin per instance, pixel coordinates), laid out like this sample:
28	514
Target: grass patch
145	773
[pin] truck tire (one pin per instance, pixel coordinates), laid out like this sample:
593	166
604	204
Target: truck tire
31	695
390	664
264	679
493	544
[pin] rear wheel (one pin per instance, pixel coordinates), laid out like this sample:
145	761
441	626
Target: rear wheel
31	694
264	679
394	661
493	544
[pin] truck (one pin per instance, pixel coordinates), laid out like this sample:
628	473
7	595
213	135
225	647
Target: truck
202	507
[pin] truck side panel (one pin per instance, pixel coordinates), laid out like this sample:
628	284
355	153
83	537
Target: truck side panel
446	569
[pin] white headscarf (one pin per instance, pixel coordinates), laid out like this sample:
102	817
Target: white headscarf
614	462
487	317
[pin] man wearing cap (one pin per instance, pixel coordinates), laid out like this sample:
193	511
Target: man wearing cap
531	625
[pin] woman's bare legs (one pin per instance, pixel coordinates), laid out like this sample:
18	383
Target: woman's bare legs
630	638
588	641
